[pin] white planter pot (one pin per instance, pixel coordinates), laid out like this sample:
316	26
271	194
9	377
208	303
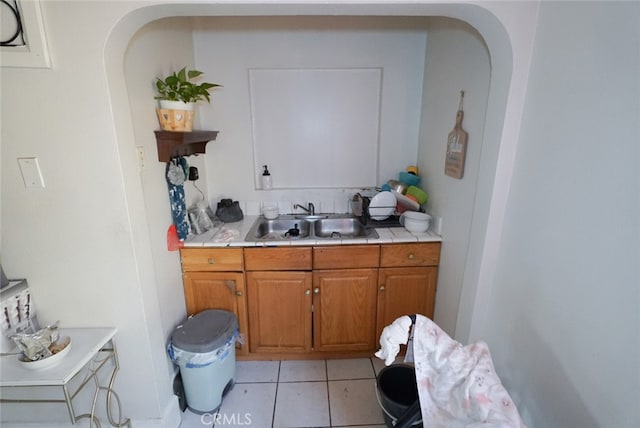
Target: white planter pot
175	105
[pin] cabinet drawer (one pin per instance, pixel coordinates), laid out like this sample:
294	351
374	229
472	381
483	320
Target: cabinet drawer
347	256
410	255
211	259
278	258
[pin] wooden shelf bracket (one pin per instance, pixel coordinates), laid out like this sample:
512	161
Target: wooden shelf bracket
173	144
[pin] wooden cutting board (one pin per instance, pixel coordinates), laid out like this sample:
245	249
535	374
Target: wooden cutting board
456	149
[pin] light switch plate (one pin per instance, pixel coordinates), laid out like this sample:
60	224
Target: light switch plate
31	173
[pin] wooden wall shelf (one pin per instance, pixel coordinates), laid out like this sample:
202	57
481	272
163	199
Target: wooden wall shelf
172	144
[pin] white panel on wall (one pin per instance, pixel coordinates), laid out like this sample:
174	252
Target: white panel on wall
316	128
23	36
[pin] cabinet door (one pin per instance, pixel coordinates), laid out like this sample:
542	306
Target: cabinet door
405	291
344	303
279	306
217	290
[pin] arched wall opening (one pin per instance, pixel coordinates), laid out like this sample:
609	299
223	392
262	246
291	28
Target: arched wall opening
159	270
138	22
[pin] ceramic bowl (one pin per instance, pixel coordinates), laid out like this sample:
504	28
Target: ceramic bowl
63	343
415	221
270	212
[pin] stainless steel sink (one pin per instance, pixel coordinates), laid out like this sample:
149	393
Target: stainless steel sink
311	217
278	229
323	226
339	228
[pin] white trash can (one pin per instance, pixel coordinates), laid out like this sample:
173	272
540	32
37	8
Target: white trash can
204	348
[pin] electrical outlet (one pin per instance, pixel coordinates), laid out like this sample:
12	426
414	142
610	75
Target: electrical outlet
140	154
437	225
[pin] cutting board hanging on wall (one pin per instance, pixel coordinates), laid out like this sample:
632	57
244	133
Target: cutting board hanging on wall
456	146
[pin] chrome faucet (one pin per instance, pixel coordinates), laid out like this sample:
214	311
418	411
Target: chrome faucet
311	210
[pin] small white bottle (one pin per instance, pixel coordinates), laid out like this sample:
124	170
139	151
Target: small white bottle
266	178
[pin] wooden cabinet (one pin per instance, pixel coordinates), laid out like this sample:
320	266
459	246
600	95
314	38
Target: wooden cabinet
279	299
344	303
279	311
211	259
405	291
213	290
277	258
406	281
207	284
398	255
344	297
348	256
313	302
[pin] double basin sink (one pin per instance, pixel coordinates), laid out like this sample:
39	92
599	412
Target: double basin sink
311	227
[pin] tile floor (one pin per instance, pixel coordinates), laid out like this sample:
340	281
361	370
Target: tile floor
300	393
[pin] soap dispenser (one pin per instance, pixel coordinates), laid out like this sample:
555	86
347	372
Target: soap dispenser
266	178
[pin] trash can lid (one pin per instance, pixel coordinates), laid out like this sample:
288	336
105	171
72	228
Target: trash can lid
205	331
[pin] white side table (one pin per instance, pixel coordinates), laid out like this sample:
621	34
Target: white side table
91	350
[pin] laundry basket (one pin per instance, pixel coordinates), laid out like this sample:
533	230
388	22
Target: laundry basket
203	347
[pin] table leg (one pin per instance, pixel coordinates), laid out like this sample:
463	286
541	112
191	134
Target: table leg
111	395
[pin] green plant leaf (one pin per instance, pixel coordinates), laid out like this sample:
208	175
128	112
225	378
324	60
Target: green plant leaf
177	87
182	75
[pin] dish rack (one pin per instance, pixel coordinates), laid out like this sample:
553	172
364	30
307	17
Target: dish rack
360	209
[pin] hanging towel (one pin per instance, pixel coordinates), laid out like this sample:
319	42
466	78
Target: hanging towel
457	385
393	335
177	173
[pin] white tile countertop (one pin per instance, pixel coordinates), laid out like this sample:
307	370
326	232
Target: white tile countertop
233	235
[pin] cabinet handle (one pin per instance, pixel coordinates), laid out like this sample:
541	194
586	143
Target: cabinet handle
211	261
307	292
316	290
239	293
411	256
382	288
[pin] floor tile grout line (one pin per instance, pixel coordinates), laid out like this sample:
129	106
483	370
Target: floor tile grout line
275	399
305	381
326	375
326	364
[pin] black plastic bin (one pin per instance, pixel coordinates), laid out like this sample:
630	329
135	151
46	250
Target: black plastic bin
397	393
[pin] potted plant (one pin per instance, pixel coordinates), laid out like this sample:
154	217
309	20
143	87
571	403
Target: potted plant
177	95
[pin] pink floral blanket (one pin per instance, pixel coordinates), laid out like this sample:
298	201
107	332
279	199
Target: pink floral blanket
457	385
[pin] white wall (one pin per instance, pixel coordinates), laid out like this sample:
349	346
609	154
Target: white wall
456	59
226	48
145	57
563	320
99	268
74	239
84	241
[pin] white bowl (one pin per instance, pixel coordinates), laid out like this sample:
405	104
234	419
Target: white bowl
270	212
64	342
415	221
